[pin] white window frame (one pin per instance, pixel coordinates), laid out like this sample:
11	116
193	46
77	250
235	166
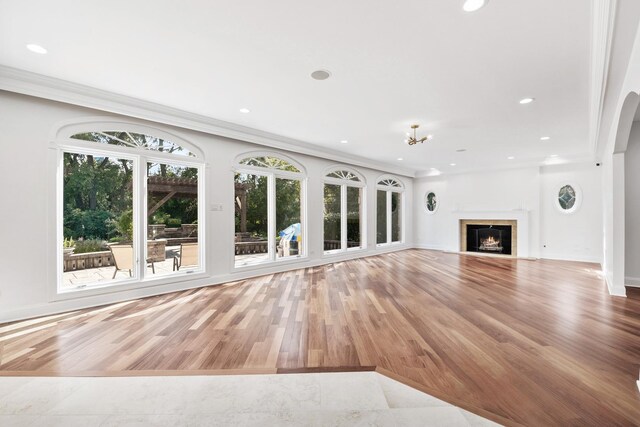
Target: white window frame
389	189
272	174
343	184
63	143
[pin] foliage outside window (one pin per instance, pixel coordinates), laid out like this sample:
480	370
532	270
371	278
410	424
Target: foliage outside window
270	162
343	192
430	202
101	209
134	140
389	215
268	210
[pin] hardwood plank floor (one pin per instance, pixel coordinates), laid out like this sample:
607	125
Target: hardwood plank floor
535	342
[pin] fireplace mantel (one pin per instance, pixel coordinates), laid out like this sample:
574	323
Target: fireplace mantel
521	216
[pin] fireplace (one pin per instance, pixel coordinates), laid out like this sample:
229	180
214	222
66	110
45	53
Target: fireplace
497	237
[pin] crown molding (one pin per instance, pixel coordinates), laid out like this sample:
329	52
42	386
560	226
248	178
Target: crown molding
602	25
41	86
575	160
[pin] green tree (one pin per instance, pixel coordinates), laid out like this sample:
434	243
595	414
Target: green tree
96	191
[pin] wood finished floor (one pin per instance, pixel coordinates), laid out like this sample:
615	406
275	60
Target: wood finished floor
535	342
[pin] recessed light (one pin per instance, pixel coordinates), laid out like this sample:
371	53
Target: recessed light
452	164
473	5
461	150
344	141
510	158
245	110
400	158
545	138
321	75
36	48
526	100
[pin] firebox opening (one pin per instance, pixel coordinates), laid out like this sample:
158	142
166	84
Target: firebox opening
493	239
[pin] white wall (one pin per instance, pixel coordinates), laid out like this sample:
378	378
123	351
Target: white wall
632	207
577	236
27	170
613	158
504	190
552	234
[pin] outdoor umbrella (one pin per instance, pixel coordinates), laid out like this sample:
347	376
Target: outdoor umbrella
291	232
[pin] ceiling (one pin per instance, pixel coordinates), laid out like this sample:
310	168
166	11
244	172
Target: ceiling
459	75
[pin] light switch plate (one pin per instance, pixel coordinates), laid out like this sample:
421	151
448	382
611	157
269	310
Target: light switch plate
216	207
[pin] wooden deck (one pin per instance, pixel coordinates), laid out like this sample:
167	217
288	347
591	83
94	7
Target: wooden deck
532	342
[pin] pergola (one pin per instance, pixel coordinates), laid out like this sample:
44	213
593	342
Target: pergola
169	187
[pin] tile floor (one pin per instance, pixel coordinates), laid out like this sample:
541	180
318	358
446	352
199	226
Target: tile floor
327	399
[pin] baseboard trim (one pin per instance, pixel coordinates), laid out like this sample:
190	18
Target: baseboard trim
429	247
613	291
563	257
488	255
84	301
634	282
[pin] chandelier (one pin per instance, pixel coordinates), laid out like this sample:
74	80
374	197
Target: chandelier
413	140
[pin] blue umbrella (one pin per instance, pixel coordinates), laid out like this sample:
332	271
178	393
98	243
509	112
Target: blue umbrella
294	230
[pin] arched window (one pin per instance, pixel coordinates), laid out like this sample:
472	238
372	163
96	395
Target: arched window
389	210
115	183
345	175
134	140
343	210
269	162
269	209
389	182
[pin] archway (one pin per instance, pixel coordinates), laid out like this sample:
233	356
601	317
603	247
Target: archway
622	246
632	204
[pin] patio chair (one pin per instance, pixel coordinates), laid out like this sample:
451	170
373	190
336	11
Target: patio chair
188	256
123	259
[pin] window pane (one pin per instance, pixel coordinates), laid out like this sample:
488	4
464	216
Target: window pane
134	140
396	207
354	195
270	163
567	197
288	226
251	217
97	211
389	182
431	202
172	217
341	174
332	226
381	220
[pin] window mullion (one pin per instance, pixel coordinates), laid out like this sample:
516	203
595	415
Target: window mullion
140	204
343	217
389	218
271	215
